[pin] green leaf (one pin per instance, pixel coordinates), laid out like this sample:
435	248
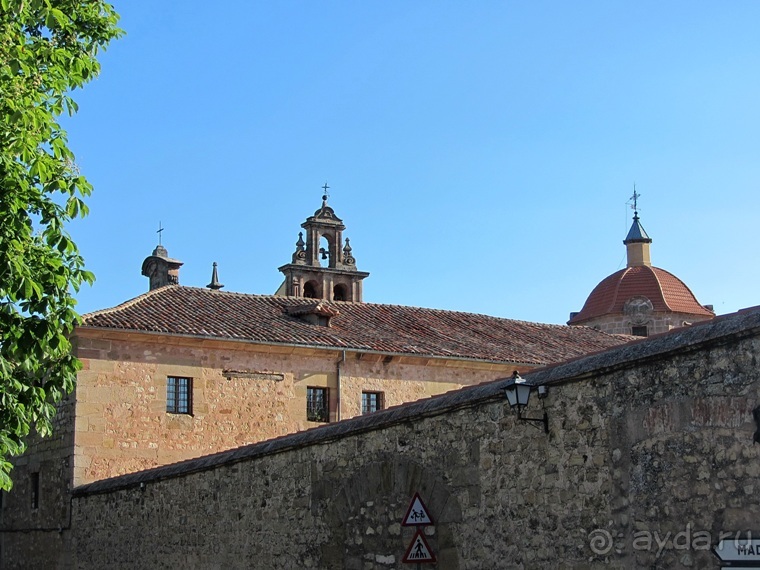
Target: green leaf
60	18
48	48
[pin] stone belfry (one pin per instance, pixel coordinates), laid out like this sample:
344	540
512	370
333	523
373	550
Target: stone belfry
305	276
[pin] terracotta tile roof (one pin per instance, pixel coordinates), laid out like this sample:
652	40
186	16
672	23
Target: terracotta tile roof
666	291
389	329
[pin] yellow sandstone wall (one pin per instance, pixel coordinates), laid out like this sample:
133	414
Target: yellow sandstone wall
242	393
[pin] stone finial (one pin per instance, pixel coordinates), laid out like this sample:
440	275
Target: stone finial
348	259
299	256
214	285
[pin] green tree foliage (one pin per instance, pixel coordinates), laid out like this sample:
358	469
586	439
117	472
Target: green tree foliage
47	49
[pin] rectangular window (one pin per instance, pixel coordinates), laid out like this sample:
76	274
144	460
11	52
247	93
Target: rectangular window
639	331
34	486
317	405
372	402
179	395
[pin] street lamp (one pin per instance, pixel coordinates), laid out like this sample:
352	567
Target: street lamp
518	394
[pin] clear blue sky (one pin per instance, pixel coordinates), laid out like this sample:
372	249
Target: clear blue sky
480	153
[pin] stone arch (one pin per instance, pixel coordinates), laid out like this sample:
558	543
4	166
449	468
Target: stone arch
364	511
311	290
340	292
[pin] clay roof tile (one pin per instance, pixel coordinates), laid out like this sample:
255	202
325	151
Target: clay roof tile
372	327
666	292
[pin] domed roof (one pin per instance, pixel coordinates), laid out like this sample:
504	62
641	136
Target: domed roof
666	292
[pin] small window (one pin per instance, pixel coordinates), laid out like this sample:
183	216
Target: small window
317	405
639	331
372	402
179	395
34	487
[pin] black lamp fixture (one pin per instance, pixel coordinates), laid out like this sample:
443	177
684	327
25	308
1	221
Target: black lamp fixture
518	394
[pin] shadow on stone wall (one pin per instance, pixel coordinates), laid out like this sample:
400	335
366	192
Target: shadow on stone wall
366	511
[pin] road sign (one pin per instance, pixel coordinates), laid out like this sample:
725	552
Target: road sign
417	514
739	552
419	550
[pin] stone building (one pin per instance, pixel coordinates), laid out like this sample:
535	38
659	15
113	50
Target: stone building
648	461
181	372
641	299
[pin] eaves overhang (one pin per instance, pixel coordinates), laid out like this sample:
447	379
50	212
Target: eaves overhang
305	346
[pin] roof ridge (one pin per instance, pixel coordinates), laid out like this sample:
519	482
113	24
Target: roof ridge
659	285
674	276
130	302
623	273
305	300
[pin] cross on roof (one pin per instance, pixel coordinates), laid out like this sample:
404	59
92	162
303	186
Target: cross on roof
160	229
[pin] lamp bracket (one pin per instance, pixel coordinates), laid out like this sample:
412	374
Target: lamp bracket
543	420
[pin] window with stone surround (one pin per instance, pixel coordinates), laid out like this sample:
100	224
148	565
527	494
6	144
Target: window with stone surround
317	404
372	402
639	331
179	395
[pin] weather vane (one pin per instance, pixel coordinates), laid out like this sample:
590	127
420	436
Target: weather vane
160	229
635	199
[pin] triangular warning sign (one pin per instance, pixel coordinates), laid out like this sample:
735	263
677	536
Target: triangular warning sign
417	514
419	550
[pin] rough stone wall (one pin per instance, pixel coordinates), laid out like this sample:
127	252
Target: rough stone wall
684	464
338	505
657	448
241	394
38	537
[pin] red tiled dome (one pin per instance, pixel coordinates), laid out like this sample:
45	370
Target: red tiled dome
666	292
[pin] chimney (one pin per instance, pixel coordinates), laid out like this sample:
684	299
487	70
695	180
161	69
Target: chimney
161	269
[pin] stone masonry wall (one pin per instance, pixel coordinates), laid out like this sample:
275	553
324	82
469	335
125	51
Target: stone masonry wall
38	537
242	394
656	324
649	458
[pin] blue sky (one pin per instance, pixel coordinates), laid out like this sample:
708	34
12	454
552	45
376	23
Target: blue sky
480	153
